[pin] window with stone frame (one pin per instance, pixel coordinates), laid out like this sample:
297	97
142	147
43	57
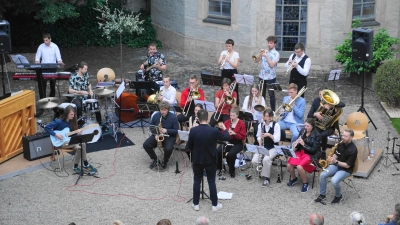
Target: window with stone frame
219	12
290	25
365	11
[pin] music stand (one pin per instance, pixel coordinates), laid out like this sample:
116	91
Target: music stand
145	107
211	80
333	76
79	139
283	150
244	79
146	85
257	149
275	87
209	106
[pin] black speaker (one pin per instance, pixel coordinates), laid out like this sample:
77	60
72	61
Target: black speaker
5	37
362	44
37	146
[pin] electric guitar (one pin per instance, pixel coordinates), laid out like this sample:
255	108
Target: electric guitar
65	133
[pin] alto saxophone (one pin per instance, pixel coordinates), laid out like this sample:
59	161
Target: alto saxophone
323	162
160	136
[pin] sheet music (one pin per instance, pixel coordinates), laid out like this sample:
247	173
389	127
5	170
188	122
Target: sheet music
183	135
209	106
283	150
334	75
120	89
257	149
244	79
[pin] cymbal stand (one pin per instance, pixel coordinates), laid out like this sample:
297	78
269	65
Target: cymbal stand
110	121
386	159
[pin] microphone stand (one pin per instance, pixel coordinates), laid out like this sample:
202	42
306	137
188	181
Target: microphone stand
386	159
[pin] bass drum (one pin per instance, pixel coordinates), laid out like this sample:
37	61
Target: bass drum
96	130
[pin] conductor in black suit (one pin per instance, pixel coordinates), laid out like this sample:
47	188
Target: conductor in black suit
203	142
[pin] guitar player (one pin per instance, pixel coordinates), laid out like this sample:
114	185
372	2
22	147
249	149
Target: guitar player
68	120
154	65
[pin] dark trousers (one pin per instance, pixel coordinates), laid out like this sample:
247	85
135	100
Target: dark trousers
229	74
79	109
52	87
324	138
198	170
167	144
271	94
299	82
223	118
230	157
182	118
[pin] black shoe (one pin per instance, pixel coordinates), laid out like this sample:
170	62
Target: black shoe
219	172
164	164
232	175
336	200
153	164
321	199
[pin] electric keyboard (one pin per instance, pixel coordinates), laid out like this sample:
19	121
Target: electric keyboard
33	66
46	76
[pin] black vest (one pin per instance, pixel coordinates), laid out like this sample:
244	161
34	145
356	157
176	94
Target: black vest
294	74
268	142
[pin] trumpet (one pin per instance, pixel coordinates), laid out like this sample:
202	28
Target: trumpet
288	106
255	57
226	100
221	67
260	107
289	69
195	94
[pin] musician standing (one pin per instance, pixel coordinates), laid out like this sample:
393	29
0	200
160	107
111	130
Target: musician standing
168	91
68	120
154	65
80	86
306	147
229	61
237	131
290	120
328	125
301	64
269	133
202	143
223	108
48	52
341	166
187	102
170	126
269	61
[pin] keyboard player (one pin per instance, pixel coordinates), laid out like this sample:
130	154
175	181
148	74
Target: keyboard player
47	52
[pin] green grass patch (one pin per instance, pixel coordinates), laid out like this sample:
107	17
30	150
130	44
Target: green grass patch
396	124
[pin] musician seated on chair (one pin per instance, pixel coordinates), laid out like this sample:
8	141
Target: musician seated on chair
237	132
79	85
168	92
168	125
341	165
225	99
326	116
290	120
68	120
188	96
268	135
194	120
154	65
305	147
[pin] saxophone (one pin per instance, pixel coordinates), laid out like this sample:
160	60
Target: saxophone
160	136
323	162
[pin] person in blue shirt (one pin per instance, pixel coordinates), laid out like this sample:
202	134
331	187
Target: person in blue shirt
68	120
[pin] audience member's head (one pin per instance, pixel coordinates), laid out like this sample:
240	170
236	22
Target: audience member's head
202	220
357	218
118	222
316	219
164	222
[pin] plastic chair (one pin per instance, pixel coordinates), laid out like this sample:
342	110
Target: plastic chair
358	122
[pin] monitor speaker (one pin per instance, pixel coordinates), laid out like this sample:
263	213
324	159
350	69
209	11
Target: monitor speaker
37	146
5	37
362	44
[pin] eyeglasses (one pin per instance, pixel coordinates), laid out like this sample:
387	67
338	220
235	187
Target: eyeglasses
192	82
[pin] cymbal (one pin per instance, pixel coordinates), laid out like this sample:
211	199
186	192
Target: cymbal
71	95
103	91
105	74
48	103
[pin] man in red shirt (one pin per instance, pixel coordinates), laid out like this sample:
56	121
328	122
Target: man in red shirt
187	101
221	107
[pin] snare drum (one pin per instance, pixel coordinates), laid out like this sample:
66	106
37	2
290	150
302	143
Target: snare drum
91	105
62	106
96	130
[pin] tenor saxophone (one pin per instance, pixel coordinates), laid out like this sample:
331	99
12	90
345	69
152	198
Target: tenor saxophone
323	162
160	136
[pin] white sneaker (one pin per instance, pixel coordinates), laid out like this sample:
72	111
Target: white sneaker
218	206
196	207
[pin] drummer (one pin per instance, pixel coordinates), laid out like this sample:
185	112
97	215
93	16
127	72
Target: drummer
79	85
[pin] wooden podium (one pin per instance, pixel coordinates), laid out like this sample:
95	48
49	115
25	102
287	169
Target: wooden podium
17	119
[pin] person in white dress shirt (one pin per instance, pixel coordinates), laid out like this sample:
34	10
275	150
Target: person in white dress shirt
300	64
229	68
168	91
48	52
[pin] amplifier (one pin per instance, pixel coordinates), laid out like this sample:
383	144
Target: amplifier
37	146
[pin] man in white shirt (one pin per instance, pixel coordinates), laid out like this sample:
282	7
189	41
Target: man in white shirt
168	92
48	52
300	64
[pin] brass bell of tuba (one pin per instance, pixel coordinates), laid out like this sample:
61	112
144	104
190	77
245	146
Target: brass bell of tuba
330	116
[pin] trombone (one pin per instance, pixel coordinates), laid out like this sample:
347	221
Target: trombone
260	107
195	94
226	100
288	106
